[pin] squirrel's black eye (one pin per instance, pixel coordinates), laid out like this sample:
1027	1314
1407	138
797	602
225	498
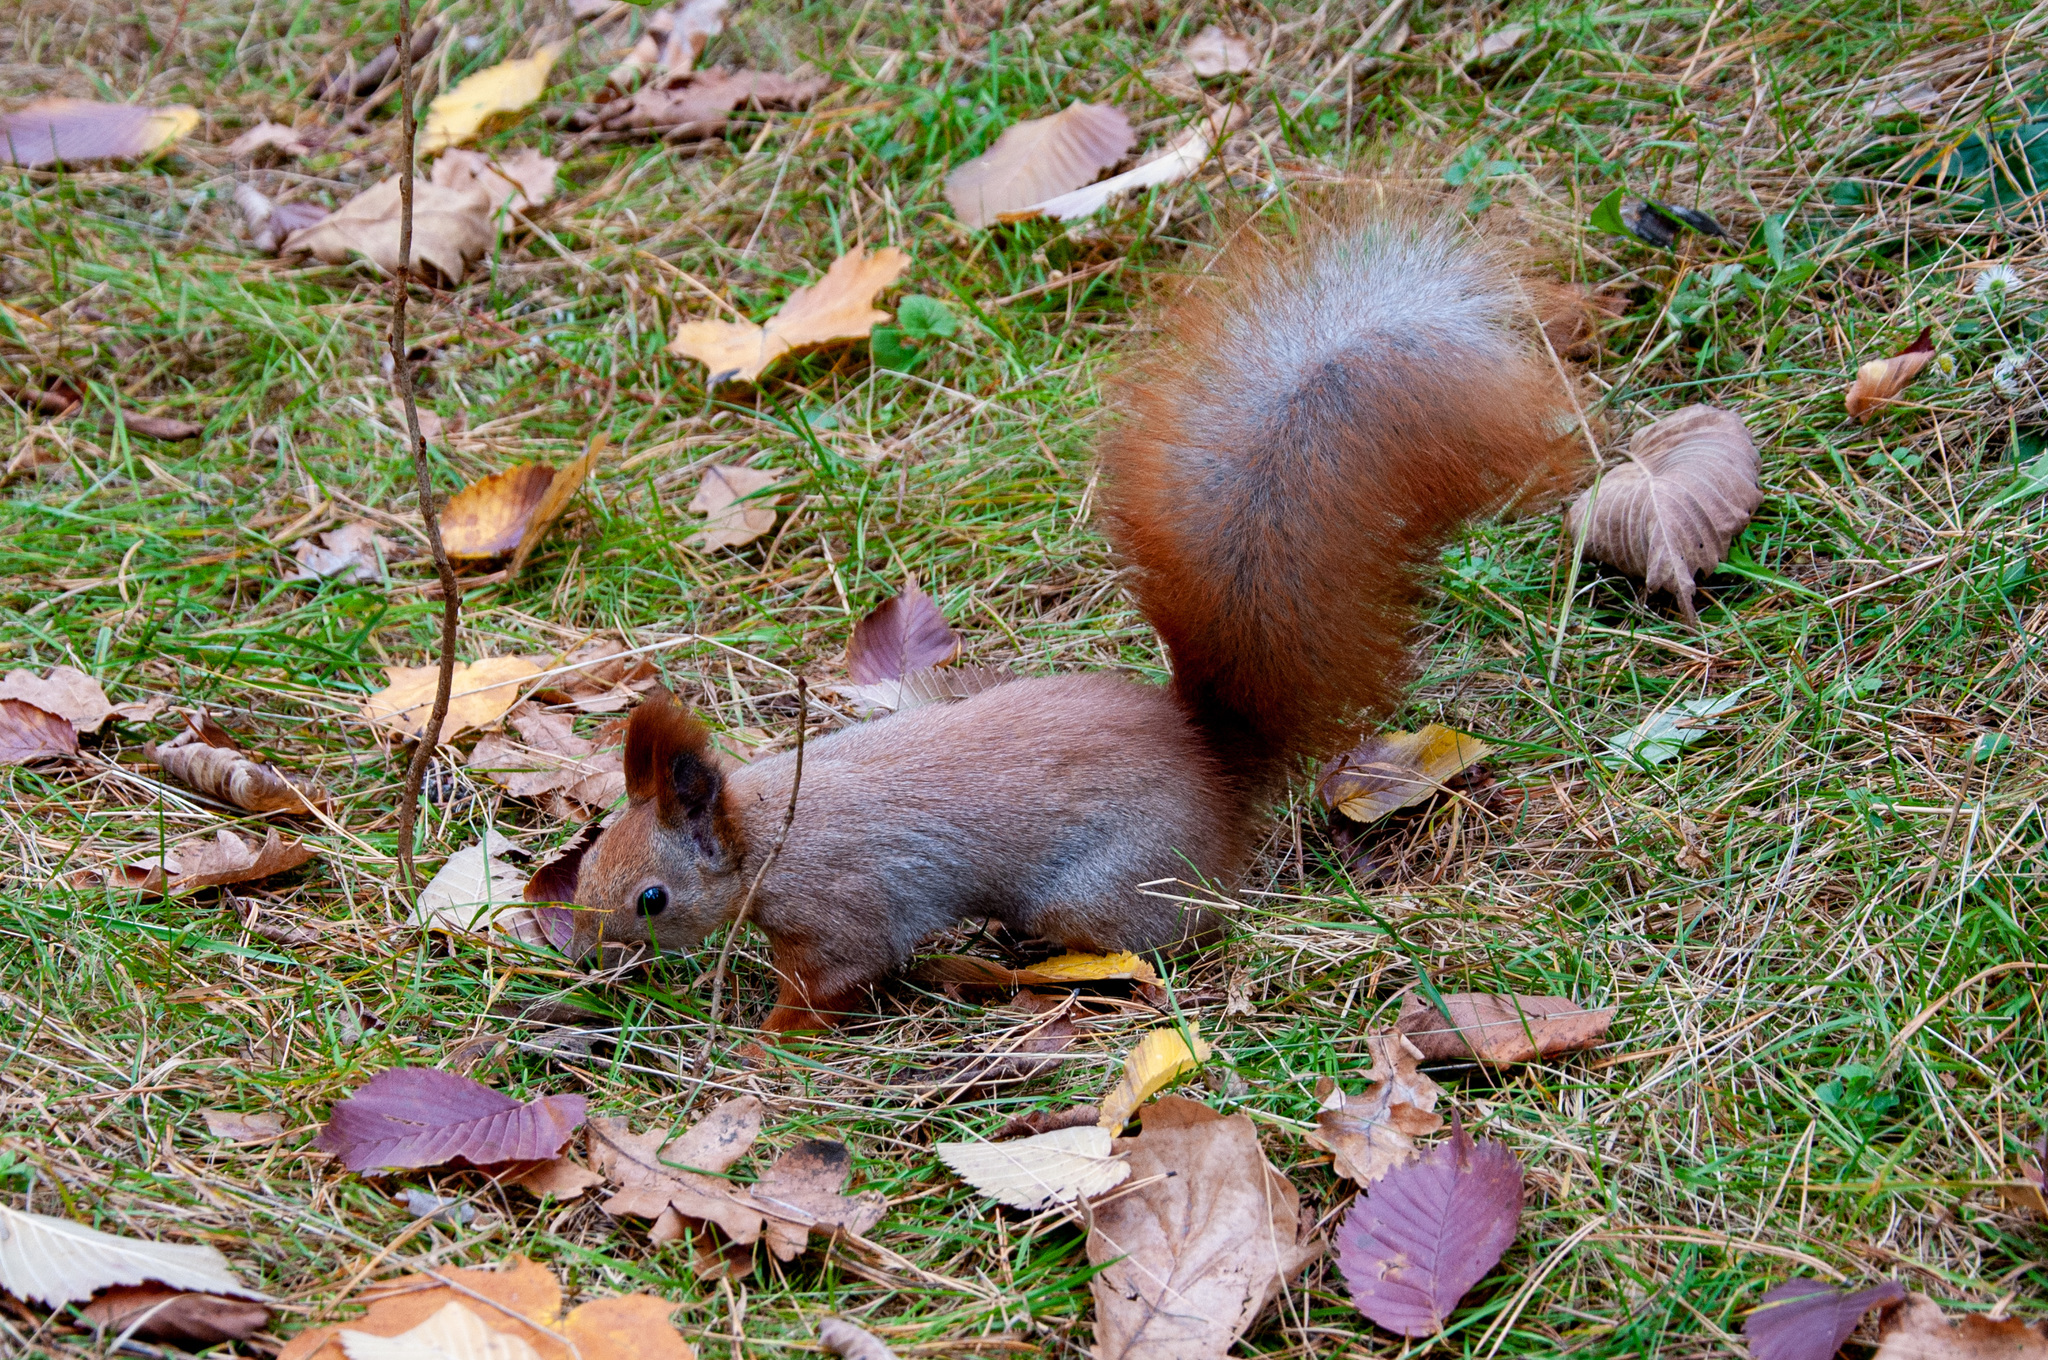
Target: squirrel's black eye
652	901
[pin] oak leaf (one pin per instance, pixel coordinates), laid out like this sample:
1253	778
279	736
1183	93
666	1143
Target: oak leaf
1804	1319
204	757
1038	159
75	130
1162	1057
1501	1029
1392	770
228	859
451	229
480	694
737	511
55	1261
1198	1241
1879	381
1672	510
1369	1134
803	1190
549	758
838	307
657	1174
422	1116
459	114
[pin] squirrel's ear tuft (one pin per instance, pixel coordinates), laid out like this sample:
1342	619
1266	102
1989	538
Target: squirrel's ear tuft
669	761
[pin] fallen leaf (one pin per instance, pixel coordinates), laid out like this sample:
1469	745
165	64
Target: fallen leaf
204	757
513	182
568	480
29	734
558	1176
839	306
269	137
965	969
690	106
422	1116
1804	1319
454	1333
451	229
1180	158
802	1191
354	552
1393	770
181	1318
459	114
55	1261
1916	1329
904	633
1045	1121
228	859
1037	159
673	41
739	513
237	1127
1425	1233
1496	44
1369	1134
487	518
481	693
1163	1056
655	1175
529	1294
432	427
1212	52
270	223
609	676
1197	1244
849	1342
156	427
1670	512
932	685
1045	1169
1501	1029
1879	381
66	691
1668	731
549	758
476	891
75	130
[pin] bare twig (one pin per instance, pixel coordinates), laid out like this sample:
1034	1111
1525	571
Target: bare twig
401	373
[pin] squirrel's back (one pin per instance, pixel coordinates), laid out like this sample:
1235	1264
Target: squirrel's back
1312	424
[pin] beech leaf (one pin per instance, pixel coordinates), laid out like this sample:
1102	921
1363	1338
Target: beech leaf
1501	1029
1037	159
1197	1243
1180	158
422	1116
838	307
487	518
29	734
451	229
1804	1319
1879	381
1369	1134
739	513
66	691
1918	1330
1393	770
481	693
459	114
932	685
1426	1232
184	1319
903	633
76	130
236	1127
1045	1169
204	757
1163	1056
55	1261
1670	512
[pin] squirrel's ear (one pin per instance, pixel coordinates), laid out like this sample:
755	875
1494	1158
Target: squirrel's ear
669	762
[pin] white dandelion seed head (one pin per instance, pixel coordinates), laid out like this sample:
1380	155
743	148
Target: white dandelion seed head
2008	376
2000	279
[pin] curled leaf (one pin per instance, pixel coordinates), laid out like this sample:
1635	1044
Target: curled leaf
422	1116
228	859
549	758
1501	1029
206	758
738	512
1037	159
1671	511
1804	1319
694	105
1031	1173
1162	1057
1392	770
902	634
1879	381
185	1319
838	307
459	114
487	518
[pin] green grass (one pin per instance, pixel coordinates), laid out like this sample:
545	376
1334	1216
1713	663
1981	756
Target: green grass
1762	1108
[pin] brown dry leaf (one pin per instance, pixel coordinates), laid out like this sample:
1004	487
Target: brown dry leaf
1496	44
839	306
1180	158
549	758
1669	512
609	677
849	1342
739	514
481	693
237	1127
694	105
206	758
1163	1056
675	38
29	734
229	859
487	518
1212	52
802	1191
354	552
75	130
558	1176
513	182
1879	381
66	691
1500	1029
1037	159
451	229
653	1176
270	223
269	137
189	1320
454	1333
1393	770
1916	1329
1197	1242
932	685
459	114
1369	1134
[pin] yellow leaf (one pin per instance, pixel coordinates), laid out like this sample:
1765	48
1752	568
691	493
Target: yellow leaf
1394	769
1161	1057
458	115
839	306
1094	968
482	693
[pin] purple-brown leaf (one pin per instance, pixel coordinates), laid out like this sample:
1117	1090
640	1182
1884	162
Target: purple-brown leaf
900	635
422	1116
1804	1319
29	734
1428	1231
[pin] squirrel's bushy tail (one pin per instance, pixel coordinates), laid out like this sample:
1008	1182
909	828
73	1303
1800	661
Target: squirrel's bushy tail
1311	426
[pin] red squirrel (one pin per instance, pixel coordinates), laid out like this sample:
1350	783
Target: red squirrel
1285	462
